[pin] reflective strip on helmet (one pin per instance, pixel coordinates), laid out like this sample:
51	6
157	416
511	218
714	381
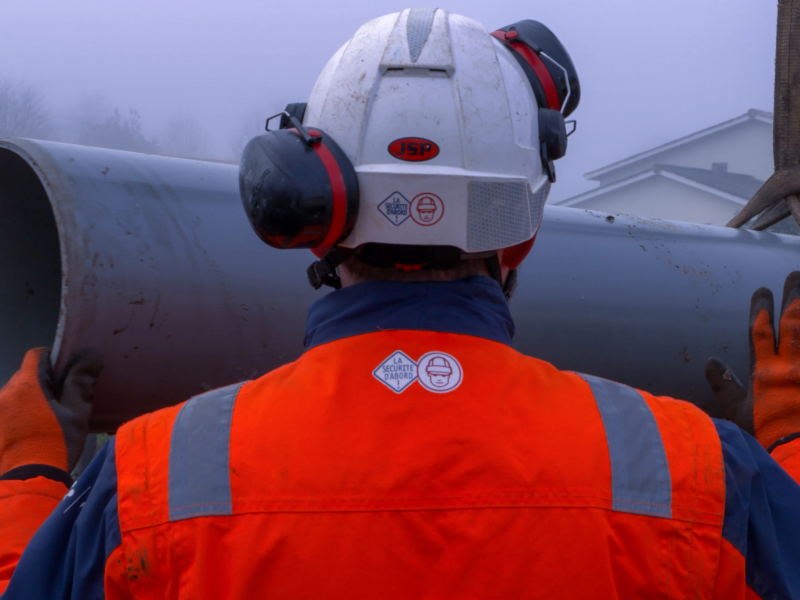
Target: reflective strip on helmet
498	214
418	28
199	479
640	477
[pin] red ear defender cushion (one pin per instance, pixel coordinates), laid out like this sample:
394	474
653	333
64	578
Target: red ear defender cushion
298	194
531	43
338	190
535	64
513	256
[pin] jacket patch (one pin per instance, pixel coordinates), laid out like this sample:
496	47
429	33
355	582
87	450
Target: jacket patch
439	372
436	371
396	372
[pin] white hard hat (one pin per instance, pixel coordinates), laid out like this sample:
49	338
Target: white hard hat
428	105
426	141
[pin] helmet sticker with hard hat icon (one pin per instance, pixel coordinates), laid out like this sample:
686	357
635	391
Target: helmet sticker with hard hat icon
436	372
427	209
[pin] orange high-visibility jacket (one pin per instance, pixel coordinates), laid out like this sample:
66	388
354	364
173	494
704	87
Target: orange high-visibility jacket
412	453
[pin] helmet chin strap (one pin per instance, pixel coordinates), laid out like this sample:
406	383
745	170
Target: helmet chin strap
323	271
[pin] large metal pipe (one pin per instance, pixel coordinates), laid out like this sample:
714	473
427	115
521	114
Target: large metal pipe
151	260
148	258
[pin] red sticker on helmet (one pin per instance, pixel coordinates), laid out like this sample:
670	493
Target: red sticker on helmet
413	149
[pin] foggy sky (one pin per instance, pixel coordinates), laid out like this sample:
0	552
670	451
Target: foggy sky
650	70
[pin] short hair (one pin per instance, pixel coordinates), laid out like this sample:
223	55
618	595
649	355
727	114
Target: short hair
362	271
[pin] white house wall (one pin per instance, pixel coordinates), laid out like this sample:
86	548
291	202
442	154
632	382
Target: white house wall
746	147
663	198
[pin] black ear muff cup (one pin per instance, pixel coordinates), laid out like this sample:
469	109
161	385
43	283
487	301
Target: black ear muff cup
554	81
553	133
553	139
296	193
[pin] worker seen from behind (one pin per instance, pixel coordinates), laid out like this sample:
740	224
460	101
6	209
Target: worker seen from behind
411	452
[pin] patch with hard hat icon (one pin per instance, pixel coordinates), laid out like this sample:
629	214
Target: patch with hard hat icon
436	372
439	372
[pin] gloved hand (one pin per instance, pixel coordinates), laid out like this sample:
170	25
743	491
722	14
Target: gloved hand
45	419
769	408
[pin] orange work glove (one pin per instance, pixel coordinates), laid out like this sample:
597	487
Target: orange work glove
769	408
43	419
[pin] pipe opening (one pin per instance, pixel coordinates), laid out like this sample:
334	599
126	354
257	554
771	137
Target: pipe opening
30	264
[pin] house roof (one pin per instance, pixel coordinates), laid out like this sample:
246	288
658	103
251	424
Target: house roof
738	184
750	115
734	187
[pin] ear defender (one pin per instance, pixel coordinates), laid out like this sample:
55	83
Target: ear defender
554	81
298	187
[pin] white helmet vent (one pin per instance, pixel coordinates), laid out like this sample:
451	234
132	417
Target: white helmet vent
418	28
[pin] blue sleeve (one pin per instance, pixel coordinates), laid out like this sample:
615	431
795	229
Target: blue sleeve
762	515
67	555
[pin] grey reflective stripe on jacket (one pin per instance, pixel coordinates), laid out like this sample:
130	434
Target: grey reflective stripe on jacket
640	478
199	477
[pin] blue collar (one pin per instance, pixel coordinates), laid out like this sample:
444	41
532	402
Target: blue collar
473	306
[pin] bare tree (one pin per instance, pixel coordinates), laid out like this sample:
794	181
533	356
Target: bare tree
117	133
183	136
94	124
24	112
